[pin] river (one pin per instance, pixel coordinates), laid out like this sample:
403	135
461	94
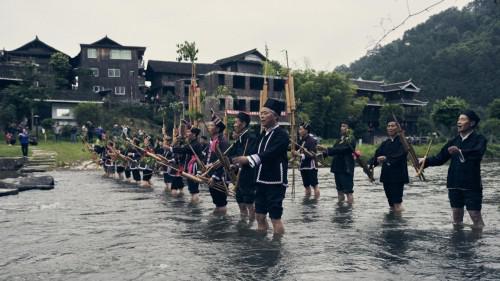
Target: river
94	228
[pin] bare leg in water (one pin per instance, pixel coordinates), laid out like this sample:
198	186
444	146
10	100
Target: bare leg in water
350	198
262	224
397	208
316	192
458	216
341	197
477	219
278	227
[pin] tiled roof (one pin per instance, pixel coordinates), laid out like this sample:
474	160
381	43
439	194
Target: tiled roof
36	47
240	57
381	86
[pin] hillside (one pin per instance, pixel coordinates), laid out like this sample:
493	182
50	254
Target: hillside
454	53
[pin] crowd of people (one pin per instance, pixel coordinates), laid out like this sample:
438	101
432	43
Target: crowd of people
254	167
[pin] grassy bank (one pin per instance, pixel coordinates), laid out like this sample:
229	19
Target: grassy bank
67	152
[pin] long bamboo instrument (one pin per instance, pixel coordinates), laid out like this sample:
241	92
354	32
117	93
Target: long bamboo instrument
421	168
408	147
240	168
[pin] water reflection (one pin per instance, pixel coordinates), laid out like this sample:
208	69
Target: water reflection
260	260
95	228
343	215
394	239
309	209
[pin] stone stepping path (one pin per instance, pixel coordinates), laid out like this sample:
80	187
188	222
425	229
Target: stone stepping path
40	161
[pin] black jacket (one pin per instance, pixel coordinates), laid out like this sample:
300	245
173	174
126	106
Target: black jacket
271	158
395	166
343	160
188	154
307	162
219	173
247	174
466	175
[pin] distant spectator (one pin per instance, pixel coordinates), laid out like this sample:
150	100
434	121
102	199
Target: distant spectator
24	139
73	131
8	138
57	131
10	133
44	133
85	132
124	131
116	131
90	135
98	132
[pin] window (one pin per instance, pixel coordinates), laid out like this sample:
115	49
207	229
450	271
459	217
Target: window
120	90
256	83
222	104
254	105
92	53
63	112
96	88
121	54
222	79
239	105
239	82
95	71
278	85
113	72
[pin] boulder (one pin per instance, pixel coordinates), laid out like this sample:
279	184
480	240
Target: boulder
28	183
11	163
8	191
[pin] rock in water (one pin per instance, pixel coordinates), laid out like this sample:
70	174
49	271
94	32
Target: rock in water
28	183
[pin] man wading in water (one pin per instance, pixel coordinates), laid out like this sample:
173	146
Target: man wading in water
343	163
271	163
391	155
464	174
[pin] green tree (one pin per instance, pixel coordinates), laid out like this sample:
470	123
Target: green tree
454	53
494	109
325	99
60	70
187	51
388	110
17	101
445	113
89	112
490	128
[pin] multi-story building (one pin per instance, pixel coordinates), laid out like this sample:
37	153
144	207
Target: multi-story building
111	70
34	57
380	93
13	64
231	84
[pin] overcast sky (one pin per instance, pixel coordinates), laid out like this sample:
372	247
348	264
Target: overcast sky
320	33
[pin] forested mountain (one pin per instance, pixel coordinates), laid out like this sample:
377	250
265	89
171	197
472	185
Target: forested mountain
454	53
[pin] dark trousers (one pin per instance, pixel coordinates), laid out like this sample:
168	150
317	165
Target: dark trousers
193	187
24	149
147	174
394	193
127	173
219	198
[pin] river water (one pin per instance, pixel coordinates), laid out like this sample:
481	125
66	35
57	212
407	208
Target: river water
93	228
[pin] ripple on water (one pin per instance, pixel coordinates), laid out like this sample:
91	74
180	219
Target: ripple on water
90	227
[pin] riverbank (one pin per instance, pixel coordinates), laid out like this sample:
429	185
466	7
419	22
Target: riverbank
69	154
